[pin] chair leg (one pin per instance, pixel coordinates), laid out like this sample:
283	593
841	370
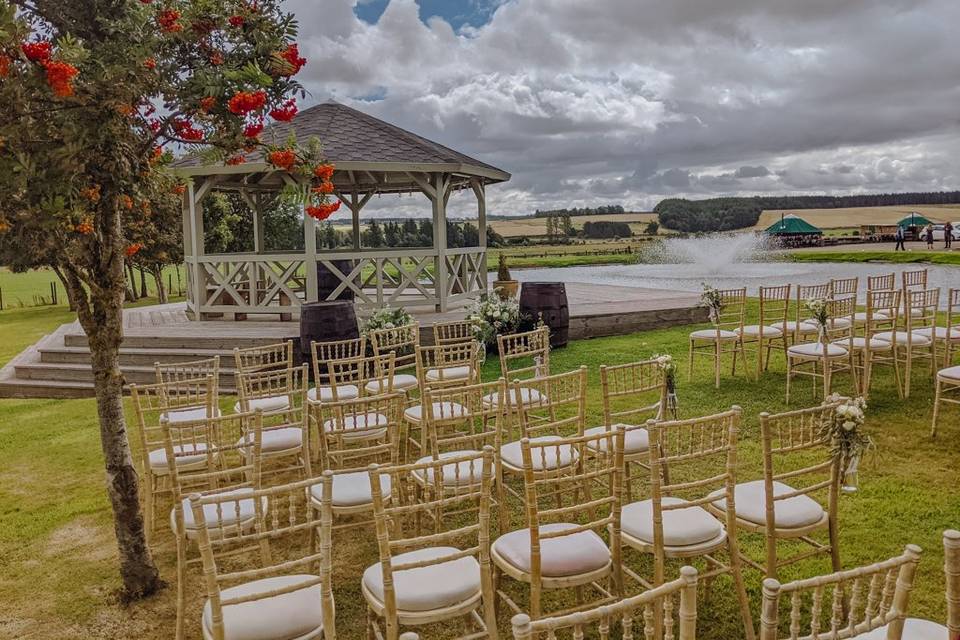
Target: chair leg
896	373
737	574
908	370
716	364
148	507
181	577
834	545
936	409
690	362
789	376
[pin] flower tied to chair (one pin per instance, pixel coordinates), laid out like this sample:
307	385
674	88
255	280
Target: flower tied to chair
820	312
713	301
668	368
844	430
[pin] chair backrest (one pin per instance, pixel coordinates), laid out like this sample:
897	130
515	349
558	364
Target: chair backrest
214	455
399	524
843	287
352	434
458	418
922	308
841	325
323	352
807	292
634	615
442	365
402	340
951	570
525	355
703	453
187	371
454	331
283	542
632	392
953	307
551	405
732	310
271	383
797	451
883	311
774	306
151	402
360	370
914	279
843	604
881	283
264	357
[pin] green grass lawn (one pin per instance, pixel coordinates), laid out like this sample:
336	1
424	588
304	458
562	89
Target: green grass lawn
895	257
58	560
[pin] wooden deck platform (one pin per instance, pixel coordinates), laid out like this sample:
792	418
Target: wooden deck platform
58	365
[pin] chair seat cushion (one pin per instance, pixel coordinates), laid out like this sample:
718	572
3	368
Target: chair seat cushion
401	382
942	333
158	457
344	392
351	489
815	350
358	426
861	343
917	338
792	513
836	323
711	334
861	316
569	555
635	440
221	515
267	404
431	587
950	373
441	411
463	473
913	629
273	440
528	397
542	458
449	373
196	414
283	617
681	527
755	330
804	326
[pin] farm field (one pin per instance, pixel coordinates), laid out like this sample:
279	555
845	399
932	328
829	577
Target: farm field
853	217
538	226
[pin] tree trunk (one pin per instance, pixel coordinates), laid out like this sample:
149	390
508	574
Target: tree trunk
157	273
143	283
132	288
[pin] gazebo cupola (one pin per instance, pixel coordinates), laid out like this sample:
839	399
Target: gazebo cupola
371	157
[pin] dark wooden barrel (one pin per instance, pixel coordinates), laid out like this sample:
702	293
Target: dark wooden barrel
327	281
326	322
547	300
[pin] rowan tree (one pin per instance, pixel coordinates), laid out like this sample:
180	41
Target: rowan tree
92	92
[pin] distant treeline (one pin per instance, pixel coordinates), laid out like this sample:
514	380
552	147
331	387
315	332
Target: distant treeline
409	233
575	211
725	214
606	229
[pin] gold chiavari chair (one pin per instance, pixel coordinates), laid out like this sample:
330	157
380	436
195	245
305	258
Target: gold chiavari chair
567	510
771	327
429	578
560	409
632	394
152	404
833	353
184	372
885	282
801	328
851	603
281	394
523	356
911	281
913	344
673	522
352	435
881	316
274	580
322	353
922	629
264	357
946	336
453	332
844	287
726	336
404	342
225	470
798	494
635	612
947	392
450	364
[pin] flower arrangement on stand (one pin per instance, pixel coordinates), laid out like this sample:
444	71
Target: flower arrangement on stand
668	368
844	429
492	316
387	318
712	300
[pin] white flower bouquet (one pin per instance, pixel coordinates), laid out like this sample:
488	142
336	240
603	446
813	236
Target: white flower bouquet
819	313
387	318
712	300
492	316
844	429
668	367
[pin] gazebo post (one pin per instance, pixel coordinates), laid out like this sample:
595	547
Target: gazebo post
439	199
195	194
481	194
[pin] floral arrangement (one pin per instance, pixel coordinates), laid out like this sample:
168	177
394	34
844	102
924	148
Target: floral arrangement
712	300
819	312
492	316
667	365
387	318
845	430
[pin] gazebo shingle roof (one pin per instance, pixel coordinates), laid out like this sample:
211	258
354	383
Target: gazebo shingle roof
349	135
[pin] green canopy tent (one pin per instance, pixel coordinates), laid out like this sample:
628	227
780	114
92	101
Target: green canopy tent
914	220
790	225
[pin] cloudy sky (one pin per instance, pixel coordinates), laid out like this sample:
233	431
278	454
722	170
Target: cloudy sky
629	101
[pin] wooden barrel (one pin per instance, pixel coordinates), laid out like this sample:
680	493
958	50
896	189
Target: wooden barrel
327	322
327	281
547	300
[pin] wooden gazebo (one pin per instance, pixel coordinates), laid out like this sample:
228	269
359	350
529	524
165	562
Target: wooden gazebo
371	157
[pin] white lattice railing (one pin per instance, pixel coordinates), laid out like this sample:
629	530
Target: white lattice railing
255	283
